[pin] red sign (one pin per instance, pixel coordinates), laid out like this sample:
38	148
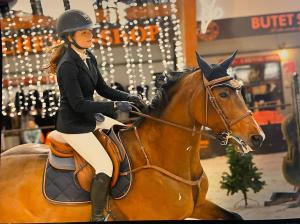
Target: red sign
256	59
289	68
276	22
36	44
251	26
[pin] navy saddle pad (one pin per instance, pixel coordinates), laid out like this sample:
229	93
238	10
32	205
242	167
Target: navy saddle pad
60	186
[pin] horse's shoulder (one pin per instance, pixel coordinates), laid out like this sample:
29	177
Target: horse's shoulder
27	149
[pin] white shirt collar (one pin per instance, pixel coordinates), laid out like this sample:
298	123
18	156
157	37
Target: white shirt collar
83	56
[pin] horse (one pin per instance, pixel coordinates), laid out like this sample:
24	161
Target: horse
169	182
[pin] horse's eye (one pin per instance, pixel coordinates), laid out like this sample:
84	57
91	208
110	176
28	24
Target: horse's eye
223	94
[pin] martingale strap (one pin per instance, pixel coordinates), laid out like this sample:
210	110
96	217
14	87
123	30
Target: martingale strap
159	169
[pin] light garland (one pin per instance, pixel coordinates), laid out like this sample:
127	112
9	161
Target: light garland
108	11
149	57
111	9
11	95
132	76
121	7
177	36
166	41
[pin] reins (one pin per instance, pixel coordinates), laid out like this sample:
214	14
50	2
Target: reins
193	130
223	137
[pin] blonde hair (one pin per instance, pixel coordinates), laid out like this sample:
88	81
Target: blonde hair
55	54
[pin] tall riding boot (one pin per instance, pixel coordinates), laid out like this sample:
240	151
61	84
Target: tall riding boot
99	192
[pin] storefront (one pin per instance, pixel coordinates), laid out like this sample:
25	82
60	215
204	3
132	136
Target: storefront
268	56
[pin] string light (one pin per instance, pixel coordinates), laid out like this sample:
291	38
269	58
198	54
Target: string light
102	46
149	56
134	59
177	36
126	39
11	95
132	76
165	34
108	11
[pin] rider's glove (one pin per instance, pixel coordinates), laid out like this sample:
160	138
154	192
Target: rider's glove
138	102
123	106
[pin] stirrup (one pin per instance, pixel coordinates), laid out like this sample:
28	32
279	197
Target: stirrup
109	214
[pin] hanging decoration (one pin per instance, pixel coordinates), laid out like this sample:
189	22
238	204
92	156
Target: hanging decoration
121	7
177	39
208	11
109	8
11	34
132	75
38	91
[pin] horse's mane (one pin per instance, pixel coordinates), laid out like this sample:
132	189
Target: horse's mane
165	83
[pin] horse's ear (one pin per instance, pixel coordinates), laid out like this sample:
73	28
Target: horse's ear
203	65
227	62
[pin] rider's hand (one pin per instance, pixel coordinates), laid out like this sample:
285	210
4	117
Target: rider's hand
123	106
138	102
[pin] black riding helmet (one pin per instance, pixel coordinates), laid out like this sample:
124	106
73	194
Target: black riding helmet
71	21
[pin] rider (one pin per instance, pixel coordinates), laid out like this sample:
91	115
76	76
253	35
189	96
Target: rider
78	77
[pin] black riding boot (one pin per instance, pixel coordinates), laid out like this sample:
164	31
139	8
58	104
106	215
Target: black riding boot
99	192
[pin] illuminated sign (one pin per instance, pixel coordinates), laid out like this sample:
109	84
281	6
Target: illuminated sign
251	26
37	43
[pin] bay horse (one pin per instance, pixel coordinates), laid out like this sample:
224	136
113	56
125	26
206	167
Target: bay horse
168	180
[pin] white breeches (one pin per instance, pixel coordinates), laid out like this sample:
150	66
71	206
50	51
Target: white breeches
88	146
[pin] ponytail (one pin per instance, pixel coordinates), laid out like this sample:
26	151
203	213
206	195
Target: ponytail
56	52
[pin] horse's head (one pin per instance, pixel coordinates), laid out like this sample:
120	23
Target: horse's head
219	105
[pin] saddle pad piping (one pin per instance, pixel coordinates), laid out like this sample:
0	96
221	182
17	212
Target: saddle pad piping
51	200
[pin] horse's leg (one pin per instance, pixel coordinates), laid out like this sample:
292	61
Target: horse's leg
209	210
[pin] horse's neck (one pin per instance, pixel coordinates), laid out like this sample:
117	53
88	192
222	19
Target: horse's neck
169	147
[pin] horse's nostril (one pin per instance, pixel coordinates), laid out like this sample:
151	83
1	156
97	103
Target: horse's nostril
256	140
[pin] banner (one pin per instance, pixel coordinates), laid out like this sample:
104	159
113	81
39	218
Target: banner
251	26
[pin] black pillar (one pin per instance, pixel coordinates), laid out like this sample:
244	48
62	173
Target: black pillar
36	7
67	4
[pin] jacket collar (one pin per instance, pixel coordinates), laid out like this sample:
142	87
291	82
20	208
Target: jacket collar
73	54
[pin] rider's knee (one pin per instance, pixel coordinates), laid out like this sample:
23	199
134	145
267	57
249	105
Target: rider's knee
106	166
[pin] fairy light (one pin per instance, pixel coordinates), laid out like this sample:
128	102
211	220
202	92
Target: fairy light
11	95
108	7
177	36
149	54
4	100
121	7
140	62
132	76
18	64
103	53
166	41
5	95
6	70
52	105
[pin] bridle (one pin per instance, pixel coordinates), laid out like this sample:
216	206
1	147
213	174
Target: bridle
228	123
223	136
209	85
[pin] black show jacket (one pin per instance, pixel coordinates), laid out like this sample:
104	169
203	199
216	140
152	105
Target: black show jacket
77	84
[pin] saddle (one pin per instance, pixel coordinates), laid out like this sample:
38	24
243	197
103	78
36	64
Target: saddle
63	157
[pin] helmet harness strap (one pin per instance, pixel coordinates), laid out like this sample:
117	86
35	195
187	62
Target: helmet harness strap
75	43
